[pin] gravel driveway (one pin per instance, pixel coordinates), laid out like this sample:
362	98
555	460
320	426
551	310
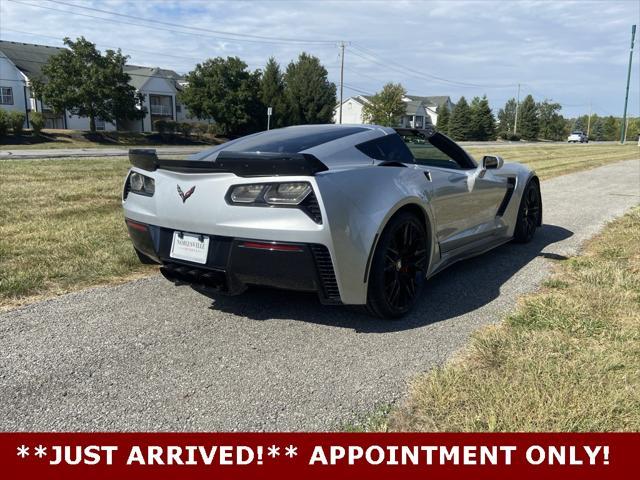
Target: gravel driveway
150	356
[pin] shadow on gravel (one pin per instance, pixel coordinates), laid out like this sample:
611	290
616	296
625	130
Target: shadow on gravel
462	288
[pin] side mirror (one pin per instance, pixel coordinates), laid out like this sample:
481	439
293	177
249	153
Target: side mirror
492	161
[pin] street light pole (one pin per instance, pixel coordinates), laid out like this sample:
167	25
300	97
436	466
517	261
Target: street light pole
515	123
623	132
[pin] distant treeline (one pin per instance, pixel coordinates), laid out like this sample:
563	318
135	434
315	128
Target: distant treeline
536	121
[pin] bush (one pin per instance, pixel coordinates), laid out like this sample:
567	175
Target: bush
4	123
185	128
214	130
512	137
201	128
160	126
16	120
36	121
172	126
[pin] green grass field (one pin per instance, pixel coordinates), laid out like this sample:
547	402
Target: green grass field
550	160
62	228
56	139
567	360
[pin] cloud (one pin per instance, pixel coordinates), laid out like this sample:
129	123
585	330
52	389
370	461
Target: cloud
572	52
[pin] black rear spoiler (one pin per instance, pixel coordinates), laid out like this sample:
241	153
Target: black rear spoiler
239	163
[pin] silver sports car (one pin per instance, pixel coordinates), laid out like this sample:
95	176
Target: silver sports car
360	214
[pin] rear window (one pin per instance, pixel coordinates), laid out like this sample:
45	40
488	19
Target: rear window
389	148
291	140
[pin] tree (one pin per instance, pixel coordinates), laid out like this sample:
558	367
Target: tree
386	106
444	116
272	92
597	129
507	116
89	84
611	128
459	124
580	123
528	123
633	130
223	89
552	124
482	123
310	96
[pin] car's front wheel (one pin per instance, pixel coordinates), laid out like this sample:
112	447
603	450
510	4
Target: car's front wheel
529	213
398	267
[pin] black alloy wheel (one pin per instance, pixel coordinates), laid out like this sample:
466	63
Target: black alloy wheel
529	213
398	267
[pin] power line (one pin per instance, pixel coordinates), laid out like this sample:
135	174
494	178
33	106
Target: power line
170	24
429	75
356	89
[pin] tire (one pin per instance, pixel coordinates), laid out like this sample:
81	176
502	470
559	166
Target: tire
529	213
398	267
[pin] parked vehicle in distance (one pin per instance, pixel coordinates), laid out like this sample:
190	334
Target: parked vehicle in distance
359	214
578	137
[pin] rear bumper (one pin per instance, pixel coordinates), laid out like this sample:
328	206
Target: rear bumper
235	263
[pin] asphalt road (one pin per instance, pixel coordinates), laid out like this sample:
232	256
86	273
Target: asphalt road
93	152
150	356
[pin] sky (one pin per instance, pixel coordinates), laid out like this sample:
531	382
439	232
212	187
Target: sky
573	52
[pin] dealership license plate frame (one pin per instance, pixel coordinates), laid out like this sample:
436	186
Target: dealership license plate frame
180	251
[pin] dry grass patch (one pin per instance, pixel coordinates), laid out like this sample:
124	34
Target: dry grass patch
567	360
62	227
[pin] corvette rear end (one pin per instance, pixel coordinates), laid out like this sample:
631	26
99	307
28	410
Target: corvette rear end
228	226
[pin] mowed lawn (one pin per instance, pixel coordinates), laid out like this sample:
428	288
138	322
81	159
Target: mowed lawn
62	228
553	159
567	360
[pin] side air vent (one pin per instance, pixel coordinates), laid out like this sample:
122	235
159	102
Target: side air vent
324	265
511	185
310	206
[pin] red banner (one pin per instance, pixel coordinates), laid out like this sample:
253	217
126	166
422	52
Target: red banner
318	455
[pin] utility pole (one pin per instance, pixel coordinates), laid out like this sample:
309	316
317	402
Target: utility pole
515	123
589	121
623	133
342	45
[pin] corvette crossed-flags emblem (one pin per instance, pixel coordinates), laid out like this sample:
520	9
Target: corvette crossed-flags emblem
187	194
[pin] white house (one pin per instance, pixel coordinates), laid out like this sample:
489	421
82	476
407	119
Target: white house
420	111
14	95
20	63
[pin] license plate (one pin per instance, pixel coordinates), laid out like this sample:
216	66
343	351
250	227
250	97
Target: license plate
193	248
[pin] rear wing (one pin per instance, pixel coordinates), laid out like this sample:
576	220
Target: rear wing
239	163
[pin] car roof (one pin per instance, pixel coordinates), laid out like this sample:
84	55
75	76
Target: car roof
298	138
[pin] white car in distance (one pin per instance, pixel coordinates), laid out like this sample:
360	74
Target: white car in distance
578	137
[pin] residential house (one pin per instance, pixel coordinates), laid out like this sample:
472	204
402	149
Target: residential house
20	63
420	111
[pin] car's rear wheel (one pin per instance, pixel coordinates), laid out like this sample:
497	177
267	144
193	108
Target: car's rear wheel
529	213
398	267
